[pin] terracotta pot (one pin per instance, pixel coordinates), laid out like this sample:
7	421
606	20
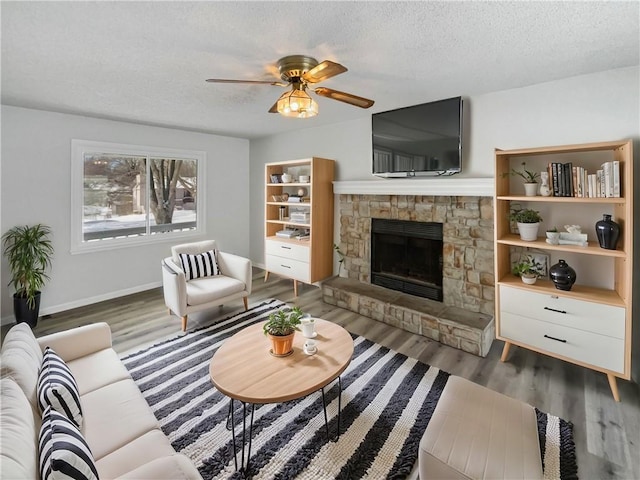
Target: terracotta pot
281	344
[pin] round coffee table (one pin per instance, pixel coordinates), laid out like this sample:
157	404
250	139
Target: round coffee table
243	369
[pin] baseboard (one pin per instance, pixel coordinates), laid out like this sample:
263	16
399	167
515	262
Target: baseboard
87	301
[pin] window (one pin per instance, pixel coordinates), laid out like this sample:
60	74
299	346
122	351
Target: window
124	195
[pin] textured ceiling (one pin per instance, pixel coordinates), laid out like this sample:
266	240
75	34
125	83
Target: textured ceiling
146	62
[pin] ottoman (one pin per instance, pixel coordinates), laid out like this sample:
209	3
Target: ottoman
476	433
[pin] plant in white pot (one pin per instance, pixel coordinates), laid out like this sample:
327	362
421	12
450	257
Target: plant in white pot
528	222
28	250
530	179
528	269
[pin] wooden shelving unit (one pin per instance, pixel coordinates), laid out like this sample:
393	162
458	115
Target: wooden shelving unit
310	259
592	326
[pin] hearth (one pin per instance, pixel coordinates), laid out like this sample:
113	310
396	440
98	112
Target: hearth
407	256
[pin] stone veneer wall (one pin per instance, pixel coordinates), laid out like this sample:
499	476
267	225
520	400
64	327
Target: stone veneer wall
468	271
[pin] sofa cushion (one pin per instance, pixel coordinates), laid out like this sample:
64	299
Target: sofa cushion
115	415
175	467
64	452
97	369
199	265
210	289
18	433
144	449
58	388
21	359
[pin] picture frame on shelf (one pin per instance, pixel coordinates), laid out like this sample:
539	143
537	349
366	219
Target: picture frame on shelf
276	178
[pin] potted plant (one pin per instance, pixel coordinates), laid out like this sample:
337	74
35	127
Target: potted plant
528	269
340	258
281	327
528	222
28	250
530	179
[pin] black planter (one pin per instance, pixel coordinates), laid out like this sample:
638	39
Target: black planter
562	275
23	312
607	232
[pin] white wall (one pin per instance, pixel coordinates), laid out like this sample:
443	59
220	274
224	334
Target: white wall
36	173
590	108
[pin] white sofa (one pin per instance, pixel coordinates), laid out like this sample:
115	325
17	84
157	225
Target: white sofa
118	425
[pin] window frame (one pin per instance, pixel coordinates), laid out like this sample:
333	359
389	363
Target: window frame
80	147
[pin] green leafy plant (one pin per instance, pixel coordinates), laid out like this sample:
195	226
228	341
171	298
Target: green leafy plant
525	215
527	175
340	257
552	229
283	322
28	250
527	266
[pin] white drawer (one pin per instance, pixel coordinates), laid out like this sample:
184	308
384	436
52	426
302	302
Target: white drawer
592	317
287	250
598	350
288	268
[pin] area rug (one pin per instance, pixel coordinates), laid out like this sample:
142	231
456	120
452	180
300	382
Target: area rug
387	402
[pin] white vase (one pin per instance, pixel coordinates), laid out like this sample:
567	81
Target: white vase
528	231
530	189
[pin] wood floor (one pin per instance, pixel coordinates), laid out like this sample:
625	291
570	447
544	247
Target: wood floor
607	433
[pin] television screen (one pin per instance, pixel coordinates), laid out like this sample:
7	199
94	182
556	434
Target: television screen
423	139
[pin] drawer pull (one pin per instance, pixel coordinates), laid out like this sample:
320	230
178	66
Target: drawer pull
286	248
554	310
285	266
556	339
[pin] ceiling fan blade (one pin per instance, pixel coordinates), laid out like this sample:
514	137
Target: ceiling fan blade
324	70
344	97
274	108
261	82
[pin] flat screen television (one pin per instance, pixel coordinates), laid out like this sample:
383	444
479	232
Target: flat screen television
421	140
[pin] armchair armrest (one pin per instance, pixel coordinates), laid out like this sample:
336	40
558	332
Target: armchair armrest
174	286
78	342
236	267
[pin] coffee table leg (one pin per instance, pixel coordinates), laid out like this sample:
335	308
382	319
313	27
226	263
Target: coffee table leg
244	466
324	407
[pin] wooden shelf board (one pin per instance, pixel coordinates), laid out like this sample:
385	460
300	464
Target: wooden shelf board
593	248
599	200
288	222
580	292
290	240
291	204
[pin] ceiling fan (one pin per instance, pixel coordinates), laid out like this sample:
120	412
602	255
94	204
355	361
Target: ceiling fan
299	71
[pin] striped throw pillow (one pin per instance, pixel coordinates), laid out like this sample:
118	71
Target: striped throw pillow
57	387
64	453
200	265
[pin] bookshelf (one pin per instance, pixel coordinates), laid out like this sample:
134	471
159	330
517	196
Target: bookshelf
590	325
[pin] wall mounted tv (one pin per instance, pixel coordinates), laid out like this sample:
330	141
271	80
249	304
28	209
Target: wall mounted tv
421	140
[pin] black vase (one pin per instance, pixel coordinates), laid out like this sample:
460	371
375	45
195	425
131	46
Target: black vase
23	312
607	232
562	275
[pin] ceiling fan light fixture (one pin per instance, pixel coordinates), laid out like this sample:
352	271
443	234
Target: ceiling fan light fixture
298	104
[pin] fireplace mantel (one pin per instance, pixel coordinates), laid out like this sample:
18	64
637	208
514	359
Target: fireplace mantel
442	186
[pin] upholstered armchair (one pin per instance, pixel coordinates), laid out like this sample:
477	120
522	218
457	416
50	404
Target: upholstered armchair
197	276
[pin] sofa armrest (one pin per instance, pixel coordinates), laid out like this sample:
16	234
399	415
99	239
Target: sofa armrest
236	267
78	342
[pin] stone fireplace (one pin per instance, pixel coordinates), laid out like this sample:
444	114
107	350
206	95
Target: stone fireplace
464	317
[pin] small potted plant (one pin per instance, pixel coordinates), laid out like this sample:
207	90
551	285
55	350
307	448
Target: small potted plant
281	327
528	221
530	179
528	269
28	250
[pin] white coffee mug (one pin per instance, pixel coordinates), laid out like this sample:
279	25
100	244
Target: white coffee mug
310	347
308	326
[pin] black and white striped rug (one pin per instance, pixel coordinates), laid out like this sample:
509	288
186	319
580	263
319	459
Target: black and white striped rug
387	401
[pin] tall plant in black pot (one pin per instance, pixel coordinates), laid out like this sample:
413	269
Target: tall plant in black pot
29	251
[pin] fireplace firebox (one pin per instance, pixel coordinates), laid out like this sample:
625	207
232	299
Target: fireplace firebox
407	256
